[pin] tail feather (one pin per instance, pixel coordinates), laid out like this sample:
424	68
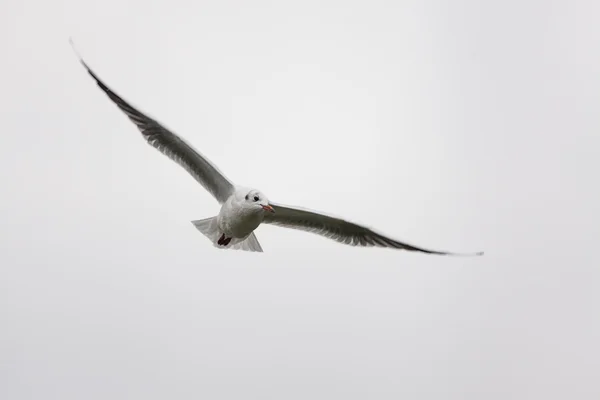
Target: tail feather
249	244
209	228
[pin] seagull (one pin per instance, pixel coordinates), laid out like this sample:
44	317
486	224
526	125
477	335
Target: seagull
244	209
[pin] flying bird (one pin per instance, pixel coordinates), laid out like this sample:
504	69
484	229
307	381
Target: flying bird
244	209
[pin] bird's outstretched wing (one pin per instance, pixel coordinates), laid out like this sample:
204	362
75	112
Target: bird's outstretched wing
171	145
340	230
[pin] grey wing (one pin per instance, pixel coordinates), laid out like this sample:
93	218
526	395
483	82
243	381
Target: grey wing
172	146
340	230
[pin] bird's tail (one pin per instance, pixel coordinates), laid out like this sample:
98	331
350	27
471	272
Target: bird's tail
210	229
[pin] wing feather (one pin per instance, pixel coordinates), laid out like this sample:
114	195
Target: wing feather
172	146
340	230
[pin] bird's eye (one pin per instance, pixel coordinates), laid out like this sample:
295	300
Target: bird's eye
255	198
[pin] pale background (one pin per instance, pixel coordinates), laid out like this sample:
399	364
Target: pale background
459	125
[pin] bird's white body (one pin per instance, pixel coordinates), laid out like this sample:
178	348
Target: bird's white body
236	219
233	228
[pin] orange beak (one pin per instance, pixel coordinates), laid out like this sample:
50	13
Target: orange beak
268	208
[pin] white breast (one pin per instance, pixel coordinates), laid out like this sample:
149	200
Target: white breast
237	221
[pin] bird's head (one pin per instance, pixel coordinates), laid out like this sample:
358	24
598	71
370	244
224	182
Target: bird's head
256	200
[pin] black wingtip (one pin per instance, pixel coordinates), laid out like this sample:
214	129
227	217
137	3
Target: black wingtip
448	253
72	43
88	69
78	55
477	254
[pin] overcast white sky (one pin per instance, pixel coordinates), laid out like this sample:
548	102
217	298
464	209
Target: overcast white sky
463	125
